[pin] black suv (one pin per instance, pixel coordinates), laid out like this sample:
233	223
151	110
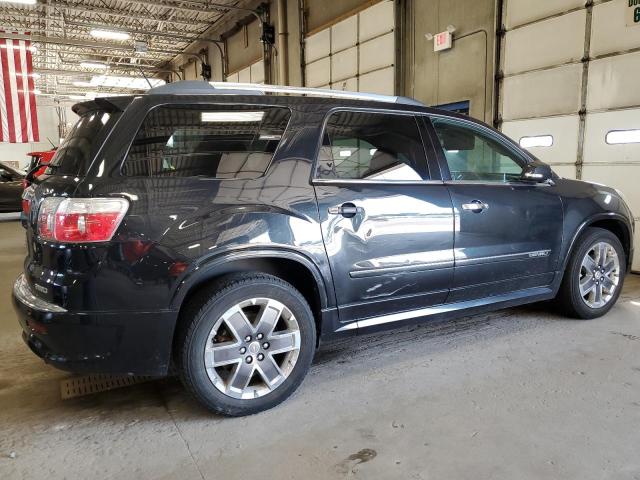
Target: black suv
229	232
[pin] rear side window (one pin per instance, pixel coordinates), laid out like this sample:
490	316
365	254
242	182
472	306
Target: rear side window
371	146
221	142
82	143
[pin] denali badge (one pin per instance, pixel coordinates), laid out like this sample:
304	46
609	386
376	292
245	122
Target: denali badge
539	253
41	289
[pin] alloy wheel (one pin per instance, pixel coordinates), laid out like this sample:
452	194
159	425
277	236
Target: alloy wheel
252	348
599	275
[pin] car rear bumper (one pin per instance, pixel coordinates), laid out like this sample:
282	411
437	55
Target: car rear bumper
136	343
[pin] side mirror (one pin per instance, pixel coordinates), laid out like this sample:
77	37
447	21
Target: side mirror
537	173
6	175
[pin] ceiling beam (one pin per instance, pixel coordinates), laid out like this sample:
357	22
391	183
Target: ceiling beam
181	37
81	43
122	14
172	6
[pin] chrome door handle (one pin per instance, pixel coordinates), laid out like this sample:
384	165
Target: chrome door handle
475	206
347	210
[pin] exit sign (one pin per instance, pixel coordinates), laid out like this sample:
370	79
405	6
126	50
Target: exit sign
633	12
443	41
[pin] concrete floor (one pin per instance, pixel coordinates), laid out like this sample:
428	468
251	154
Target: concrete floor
518	394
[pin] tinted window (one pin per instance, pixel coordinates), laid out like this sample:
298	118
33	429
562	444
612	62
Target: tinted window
225	142
473	155
371	146
82	143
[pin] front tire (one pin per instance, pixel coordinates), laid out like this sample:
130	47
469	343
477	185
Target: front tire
594	276
246	343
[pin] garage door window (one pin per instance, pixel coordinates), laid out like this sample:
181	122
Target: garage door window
224	143
474	156
371	146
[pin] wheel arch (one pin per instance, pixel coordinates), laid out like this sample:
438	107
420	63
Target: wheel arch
613	222
292	267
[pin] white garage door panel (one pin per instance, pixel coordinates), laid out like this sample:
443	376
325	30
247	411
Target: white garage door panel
344	34
380	81
596	149
233	78
609	32
552	42
317	73
376	20
344	64
350	84
377	53
257	72
317	46
613	82
564	131
565	171
623	177
524	11
244	75
543	93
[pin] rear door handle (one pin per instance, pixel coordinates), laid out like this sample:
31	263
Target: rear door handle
475	206
347	210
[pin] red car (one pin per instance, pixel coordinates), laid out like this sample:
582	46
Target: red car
38	164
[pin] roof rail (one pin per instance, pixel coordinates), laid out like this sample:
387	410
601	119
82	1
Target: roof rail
316	92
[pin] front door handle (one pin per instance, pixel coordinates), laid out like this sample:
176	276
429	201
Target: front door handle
475	206
347	210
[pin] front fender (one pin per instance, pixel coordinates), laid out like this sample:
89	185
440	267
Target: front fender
621	219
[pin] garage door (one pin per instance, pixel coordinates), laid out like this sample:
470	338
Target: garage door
357	53
253	73
581	117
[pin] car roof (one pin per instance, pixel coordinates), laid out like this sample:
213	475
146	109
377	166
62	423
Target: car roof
227	92
10	168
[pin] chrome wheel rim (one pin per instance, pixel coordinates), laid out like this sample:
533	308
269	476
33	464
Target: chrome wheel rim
252	348
599	275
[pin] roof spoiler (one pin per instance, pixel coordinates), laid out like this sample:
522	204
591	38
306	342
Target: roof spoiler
108	104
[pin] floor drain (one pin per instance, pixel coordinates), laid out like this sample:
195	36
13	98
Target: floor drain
90	384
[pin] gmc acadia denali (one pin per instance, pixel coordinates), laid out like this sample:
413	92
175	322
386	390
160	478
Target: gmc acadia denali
230	229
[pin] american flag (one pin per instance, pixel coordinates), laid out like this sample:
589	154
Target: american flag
18	116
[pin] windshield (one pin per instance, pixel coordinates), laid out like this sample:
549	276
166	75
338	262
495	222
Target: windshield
82	143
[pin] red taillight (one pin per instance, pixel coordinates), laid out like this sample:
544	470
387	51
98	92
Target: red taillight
80	220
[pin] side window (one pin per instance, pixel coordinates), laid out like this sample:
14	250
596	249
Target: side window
222	142
473	155
370	146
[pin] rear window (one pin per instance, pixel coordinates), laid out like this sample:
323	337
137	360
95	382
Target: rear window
201	141
82	143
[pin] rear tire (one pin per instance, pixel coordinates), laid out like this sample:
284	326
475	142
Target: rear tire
594	276
245	344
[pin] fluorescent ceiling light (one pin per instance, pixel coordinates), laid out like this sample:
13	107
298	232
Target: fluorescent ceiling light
345	153
93	65
137	83
36	91
616	137
77	97
80	83
109	34
33	75
237	116
21	2
537	141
